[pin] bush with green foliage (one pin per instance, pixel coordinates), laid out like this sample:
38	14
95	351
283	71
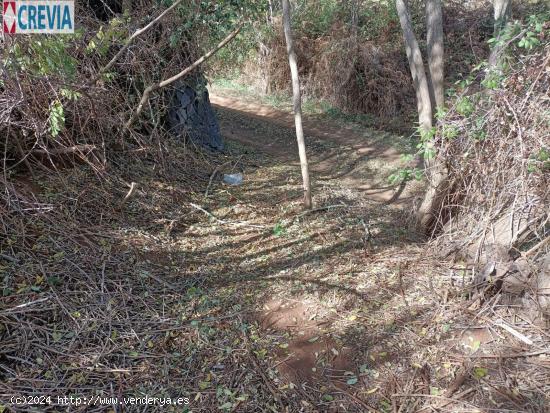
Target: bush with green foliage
50	101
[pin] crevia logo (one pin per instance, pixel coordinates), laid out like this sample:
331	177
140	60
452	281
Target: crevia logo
30	17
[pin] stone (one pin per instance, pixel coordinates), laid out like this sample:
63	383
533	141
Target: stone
191	114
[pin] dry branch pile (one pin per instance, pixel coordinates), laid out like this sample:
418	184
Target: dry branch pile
496	143
356	77
56	100
81	310
91	303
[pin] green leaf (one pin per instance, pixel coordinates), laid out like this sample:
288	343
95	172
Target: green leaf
59	255
279	229
261	353
480	372
56	335
57	118
70	94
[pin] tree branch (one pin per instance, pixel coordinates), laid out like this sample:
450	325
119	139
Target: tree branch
129	41
63	151
150	89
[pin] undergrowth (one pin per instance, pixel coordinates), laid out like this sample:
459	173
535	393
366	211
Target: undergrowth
494	136
351	56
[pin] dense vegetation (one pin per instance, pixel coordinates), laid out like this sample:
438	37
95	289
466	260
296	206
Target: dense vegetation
352	57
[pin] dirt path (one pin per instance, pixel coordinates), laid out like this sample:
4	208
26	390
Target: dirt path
351	310
326	289
343	135
233	297
360	159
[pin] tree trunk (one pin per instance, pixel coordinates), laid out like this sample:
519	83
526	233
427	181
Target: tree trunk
297	104
270	12
353	7
163	83
435	169
502	11
416	65
434	24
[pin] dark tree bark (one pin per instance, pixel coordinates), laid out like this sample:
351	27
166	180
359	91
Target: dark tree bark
297	104
165	82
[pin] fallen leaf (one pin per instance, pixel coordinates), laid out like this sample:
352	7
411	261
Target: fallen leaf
351	381
480	372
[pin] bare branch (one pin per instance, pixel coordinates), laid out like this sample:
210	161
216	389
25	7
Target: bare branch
150	89
136	34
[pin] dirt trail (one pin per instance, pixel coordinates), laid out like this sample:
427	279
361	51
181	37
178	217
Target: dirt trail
235	297
328	292
343	135
359	159
350	311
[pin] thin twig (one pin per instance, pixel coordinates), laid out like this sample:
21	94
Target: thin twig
21	306
130	40
212	177
221	221
8	258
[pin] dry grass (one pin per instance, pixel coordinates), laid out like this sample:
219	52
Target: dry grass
351	75
367	73
497	154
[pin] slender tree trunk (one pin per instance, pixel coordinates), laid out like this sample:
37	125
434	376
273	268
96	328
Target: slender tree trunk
354	17
264	58
416	66
270	15
434	24
435	169
502	10
297	104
